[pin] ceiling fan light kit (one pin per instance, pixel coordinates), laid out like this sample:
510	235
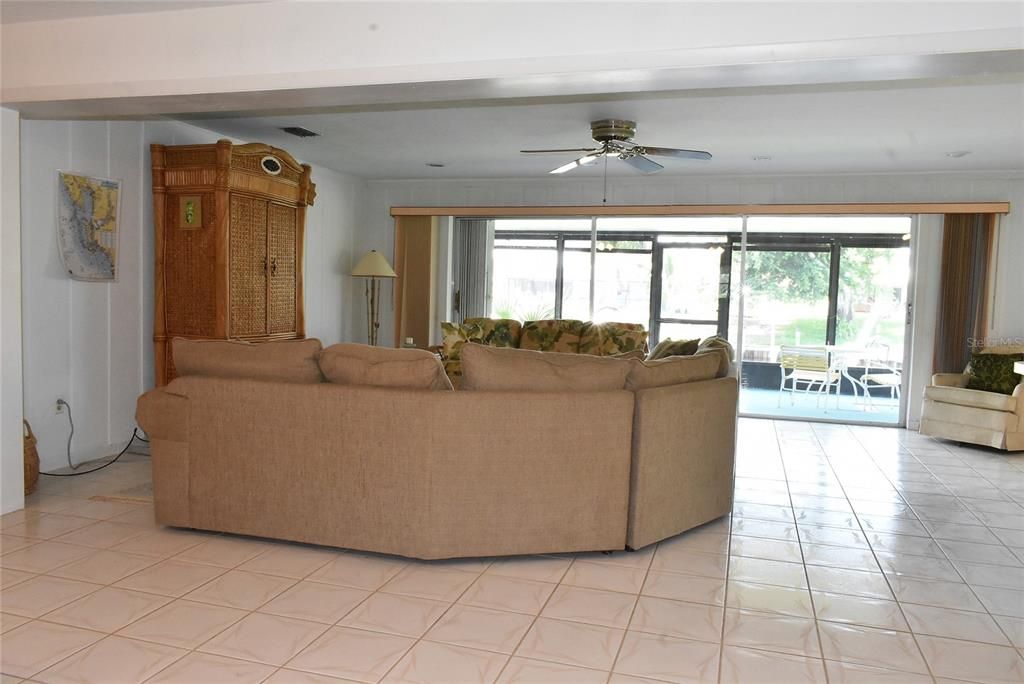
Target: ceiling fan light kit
615	139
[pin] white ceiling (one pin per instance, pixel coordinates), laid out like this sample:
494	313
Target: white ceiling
870	128
17	11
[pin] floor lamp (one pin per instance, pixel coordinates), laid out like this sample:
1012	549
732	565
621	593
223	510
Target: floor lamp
373	266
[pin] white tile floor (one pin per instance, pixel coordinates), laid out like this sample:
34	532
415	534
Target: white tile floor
854	554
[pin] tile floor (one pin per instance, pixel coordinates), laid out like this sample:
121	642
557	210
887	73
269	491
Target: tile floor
854	554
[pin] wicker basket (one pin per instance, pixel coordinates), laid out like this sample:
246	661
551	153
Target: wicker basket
31	460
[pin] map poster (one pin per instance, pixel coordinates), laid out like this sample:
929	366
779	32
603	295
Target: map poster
87	225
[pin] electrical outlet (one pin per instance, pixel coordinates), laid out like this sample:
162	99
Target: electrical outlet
58	406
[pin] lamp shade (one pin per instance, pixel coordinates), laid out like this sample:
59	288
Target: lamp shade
374	265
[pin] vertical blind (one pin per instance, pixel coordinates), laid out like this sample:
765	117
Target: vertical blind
470	267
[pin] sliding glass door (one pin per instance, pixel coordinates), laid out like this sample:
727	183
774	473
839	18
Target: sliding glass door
824	318
693	295
781	289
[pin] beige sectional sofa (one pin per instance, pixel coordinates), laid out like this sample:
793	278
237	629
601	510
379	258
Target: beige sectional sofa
440	474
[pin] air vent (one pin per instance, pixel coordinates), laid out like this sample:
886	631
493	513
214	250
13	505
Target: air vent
300	132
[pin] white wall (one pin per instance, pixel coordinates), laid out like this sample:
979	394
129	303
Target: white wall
1007	318
91	343
11	479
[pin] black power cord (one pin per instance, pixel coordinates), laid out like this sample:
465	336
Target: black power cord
135	435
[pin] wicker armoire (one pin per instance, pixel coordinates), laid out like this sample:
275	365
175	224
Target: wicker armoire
229	223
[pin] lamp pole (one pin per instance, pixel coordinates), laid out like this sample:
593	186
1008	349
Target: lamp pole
373	267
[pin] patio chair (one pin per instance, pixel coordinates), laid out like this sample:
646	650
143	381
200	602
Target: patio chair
879	373
809	366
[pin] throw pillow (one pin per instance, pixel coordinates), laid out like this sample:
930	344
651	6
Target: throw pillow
722	346
994	372
284	361
359	364
555	335
608	339
670	347
672	370
522	370
496	332
717	342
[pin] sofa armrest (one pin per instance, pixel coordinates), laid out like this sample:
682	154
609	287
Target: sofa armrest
950	379
163	415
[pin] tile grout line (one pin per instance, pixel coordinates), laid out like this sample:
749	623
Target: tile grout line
871	548
803	561
632	612
959	573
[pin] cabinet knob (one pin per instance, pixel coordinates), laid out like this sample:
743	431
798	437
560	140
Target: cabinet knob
273	266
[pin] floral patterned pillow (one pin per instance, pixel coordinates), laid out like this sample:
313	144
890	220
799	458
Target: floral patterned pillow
606	339
558	335
994	372
496	332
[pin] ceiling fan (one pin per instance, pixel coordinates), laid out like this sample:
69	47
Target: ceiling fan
615	139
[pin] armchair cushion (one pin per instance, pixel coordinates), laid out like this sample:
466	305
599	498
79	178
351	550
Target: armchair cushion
994	372
950	380
992	401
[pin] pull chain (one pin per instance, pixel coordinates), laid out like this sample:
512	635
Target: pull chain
604	194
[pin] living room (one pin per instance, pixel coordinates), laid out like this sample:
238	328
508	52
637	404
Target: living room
878	123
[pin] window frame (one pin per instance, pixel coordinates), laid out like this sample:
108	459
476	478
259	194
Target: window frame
731	242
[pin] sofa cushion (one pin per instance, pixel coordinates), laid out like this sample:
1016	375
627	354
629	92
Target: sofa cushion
359	364
453	336
561	335
993	401
496	332
524	370
994	372
673	370
723	347
608	339
670	347
284	361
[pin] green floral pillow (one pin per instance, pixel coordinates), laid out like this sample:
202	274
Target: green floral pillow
454	336
496	332
557	335
670	347
607	339
994	372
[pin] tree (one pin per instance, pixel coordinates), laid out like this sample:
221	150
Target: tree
788	276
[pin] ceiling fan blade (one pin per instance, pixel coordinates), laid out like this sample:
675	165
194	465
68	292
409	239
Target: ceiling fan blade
571	149
642	164
672	152
589	158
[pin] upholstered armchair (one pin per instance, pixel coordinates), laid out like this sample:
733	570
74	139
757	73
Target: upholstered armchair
952	411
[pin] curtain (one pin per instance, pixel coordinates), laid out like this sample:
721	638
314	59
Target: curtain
963	289
471	268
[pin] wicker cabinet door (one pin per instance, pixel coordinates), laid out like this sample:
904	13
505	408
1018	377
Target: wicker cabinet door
283	254
248	258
